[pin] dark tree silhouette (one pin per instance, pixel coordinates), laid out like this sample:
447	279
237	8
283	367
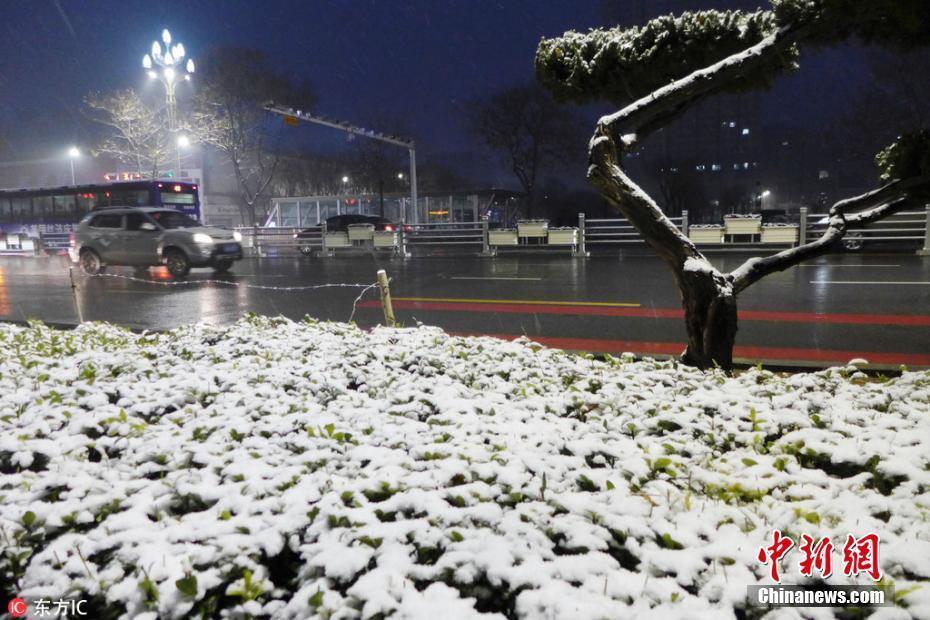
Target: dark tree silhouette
530	131
228	115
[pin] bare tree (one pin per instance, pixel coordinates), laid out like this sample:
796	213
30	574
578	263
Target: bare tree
658	71
678	184
376	164
228	115
308	175
136	135
530	130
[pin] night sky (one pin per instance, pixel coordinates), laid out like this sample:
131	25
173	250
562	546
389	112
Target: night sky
417	61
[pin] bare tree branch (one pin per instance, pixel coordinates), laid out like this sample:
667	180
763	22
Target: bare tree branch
871	206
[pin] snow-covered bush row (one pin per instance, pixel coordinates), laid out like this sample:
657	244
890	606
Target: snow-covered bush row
292	470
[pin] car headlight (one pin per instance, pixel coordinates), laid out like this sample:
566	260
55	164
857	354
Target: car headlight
203	238
237	236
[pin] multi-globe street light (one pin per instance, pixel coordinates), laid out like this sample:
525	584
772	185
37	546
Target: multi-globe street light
73	153
168	68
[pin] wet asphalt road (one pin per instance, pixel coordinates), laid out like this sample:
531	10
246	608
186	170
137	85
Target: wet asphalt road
875	306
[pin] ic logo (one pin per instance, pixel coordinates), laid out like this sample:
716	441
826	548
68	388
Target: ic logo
17	608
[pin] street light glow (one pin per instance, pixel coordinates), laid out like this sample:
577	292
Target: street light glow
183	141
73	152
766	193
400	175
345	179
146	62
166	36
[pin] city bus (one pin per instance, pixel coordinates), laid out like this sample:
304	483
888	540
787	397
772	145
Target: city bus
33	212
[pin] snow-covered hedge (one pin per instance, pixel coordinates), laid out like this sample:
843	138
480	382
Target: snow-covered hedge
293	470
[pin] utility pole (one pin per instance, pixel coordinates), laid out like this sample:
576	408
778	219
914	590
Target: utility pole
293	117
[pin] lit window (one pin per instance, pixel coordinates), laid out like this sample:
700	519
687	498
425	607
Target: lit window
732	125
746	165
715	167
745	131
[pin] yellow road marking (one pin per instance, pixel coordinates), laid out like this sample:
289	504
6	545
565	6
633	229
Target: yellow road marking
603	304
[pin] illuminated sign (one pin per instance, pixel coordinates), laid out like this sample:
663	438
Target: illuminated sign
122	176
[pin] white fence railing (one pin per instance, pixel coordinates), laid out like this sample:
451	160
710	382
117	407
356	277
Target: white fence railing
911	227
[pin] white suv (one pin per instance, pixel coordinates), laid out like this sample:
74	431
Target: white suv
143	237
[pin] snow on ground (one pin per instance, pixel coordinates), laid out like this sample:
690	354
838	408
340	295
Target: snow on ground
295	470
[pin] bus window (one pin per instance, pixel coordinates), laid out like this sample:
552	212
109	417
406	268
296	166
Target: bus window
130	198
87	202
22	207
63	205
42	206
171	198
172	194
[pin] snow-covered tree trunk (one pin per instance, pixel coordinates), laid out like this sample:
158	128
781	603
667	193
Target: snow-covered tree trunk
707	296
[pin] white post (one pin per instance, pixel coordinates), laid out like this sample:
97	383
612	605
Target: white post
413	184
324	250
684	222
485	240
802	227
71	159
582	250
926	250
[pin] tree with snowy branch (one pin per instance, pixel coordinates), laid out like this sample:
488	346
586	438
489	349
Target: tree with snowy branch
137	134
658	71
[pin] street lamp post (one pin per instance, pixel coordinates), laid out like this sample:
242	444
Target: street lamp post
73	153
168	68
183	143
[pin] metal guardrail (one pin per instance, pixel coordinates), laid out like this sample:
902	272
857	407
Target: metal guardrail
908	226
56	241
620	231
458	233
903	226
596	233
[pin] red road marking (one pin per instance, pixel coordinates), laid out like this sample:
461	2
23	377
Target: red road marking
745	352
657	313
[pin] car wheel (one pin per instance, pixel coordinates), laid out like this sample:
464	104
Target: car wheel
853	241
177	262
306	250
90	262
222	266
